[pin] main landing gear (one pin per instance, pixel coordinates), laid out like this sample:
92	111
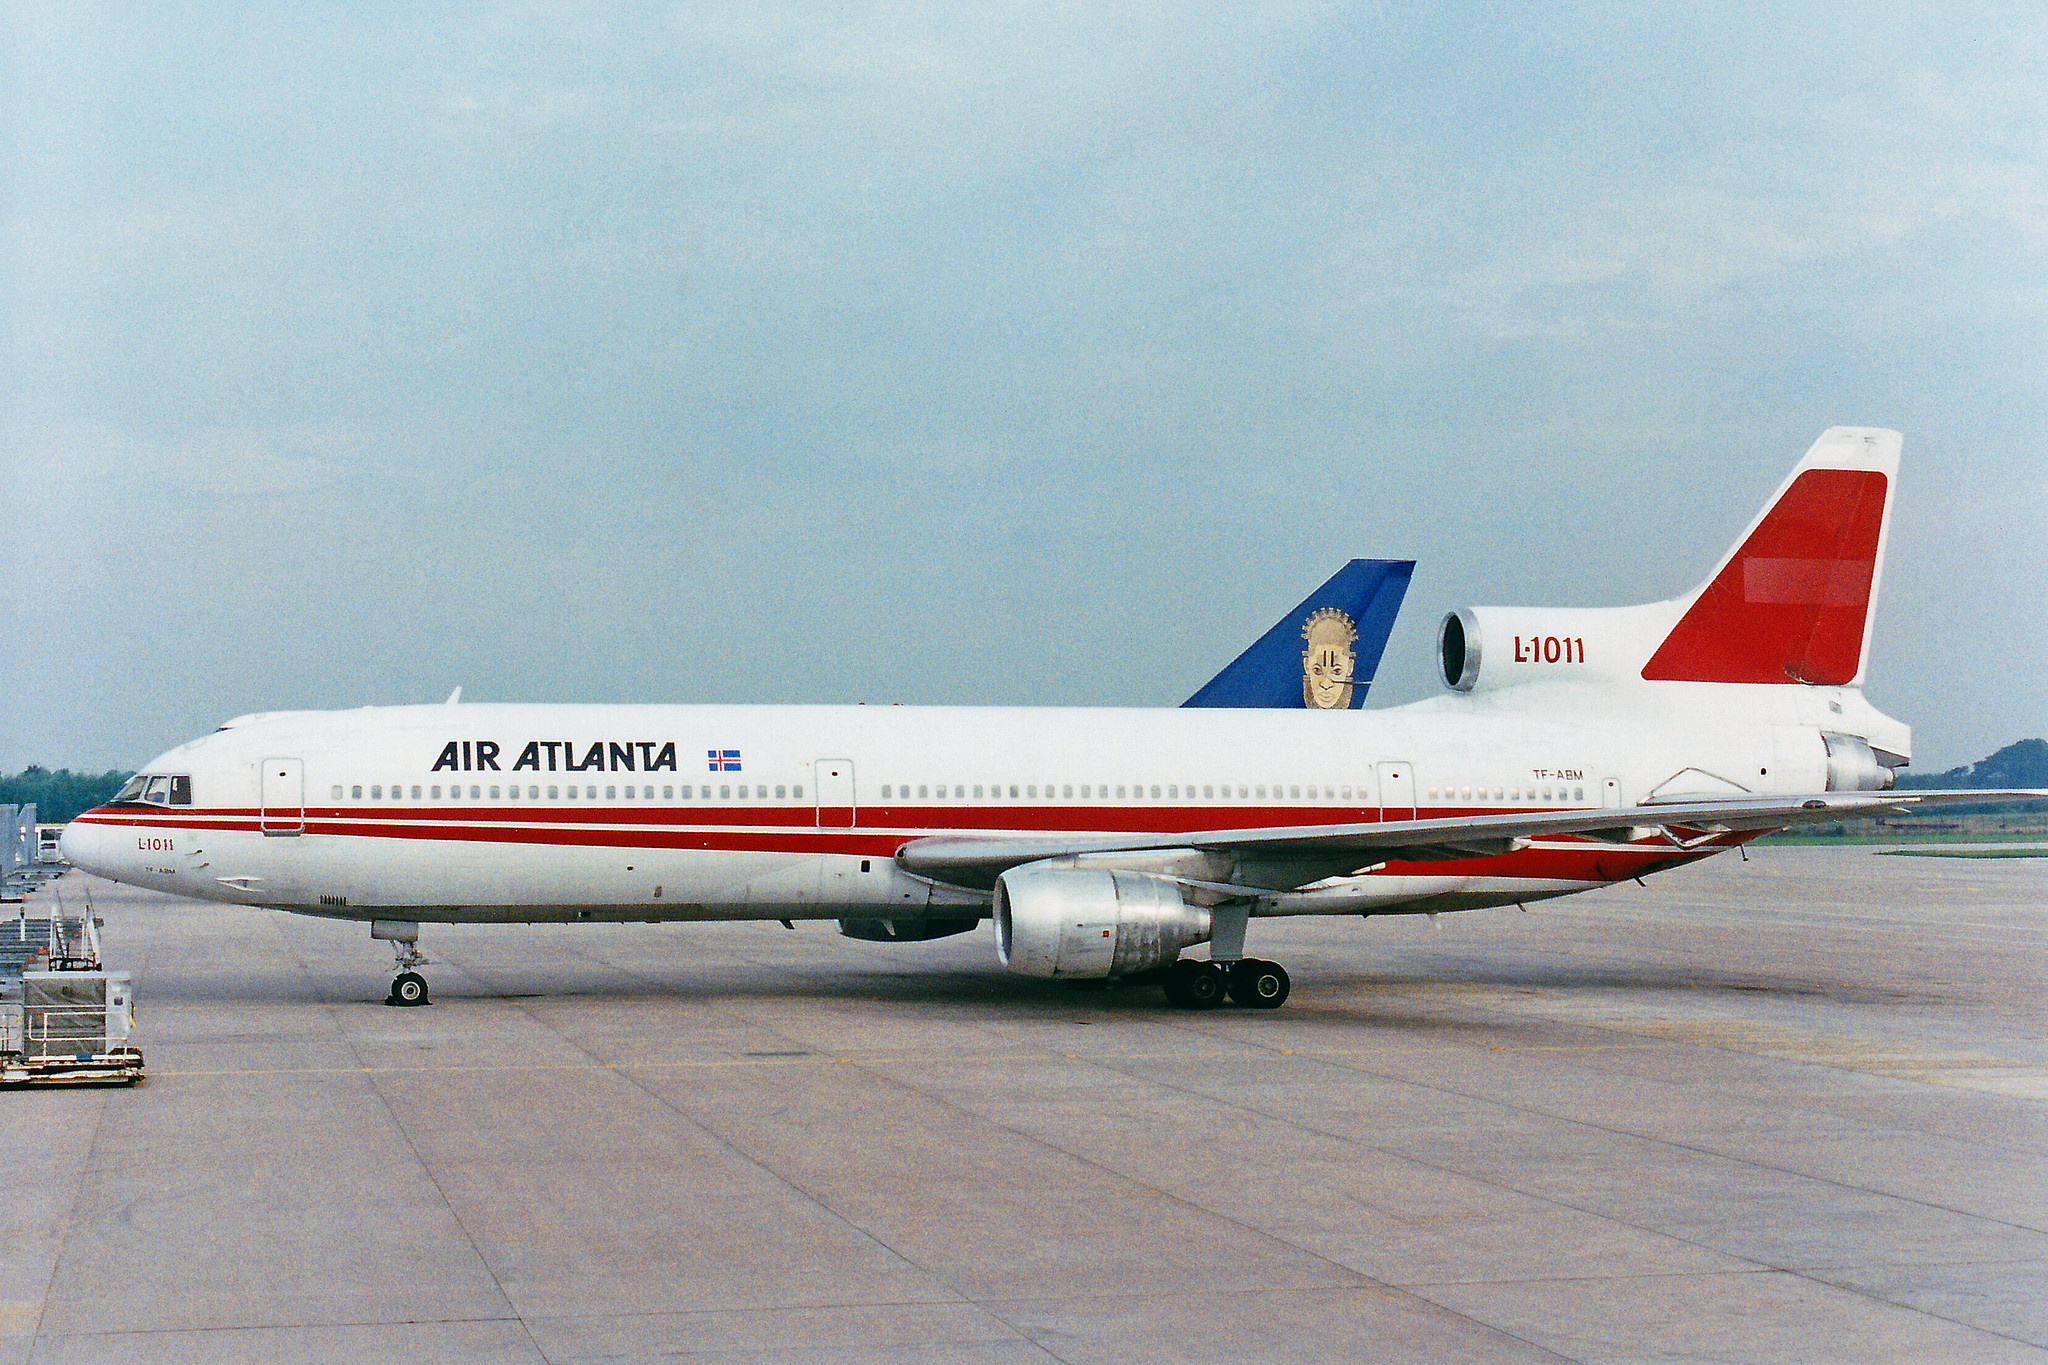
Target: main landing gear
408	987
1193	984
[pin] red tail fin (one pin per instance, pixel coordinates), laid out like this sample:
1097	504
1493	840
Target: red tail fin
1792	603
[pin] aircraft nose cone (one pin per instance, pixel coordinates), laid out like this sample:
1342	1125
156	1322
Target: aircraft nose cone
86	847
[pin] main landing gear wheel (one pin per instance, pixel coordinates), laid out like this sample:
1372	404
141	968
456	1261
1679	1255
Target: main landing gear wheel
408	988
1194	984
1259	985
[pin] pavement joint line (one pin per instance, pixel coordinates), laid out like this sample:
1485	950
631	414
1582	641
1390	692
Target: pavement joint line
1618	1131
278	925
1811	1274
63	1242
1365	1280
1796	1271
739	1153
1361	1280
1884	1117
310	1326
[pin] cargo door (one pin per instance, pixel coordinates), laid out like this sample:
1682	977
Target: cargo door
284	796
832	779
1397	790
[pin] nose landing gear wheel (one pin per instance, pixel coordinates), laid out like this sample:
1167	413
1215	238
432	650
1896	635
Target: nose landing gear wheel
409	988
1259	985
1195	985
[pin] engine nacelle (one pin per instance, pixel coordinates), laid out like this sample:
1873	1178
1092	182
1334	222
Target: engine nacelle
1089	923
1853	766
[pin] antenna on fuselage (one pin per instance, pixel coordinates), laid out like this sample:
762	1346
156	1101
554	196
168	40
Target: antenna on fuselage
454	697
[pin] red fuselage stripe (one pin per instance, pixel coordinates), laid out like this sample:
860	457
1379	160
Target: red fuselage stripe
744	831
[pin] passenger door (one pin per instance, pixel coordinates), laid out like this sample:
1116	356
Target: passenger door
284	796
832	780
1397	790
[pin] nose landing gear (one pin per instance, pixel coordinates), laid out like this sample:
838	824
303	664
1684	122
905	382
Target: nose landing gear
408	987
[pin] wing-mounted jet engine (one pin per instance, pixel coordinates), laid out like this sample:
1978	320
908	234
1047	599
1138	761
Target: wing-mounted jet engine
1090	923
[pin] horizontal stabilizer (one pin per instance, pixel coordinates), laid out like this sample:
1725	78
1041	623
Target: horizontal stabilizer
1324	653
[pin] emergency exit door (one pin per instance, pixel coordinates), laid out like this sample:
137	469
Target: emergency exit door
284	796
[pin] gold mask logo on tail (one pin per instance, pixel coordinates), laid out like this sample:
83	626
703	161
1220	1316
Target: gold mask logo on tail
1327	661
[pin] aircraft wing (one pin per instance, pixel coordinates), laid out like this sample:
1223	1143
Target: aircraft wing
976	860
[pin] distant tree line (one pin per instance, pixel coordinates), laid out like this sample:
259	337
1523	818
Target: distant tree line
2023	764
59	796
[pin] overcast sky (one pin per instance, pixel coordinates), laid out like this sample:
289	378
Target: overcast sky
994	354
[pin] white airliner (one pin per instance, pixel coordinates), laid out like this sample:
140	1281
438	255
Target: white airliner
1571	749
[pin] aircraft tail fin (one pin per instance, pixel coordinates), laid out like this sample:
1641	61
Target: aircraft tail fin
1324	653
1792	602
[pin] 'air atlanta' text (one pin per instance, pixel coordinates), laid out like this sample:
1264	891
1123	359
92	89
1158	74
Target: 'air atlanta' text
560	755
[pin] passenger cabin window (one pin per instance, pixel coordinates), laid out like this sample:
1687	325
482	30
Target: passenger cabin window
337	794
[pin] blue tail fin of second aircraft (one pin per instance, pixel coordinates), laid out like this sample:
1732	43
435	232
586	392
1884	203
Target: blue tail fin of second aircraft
1324	653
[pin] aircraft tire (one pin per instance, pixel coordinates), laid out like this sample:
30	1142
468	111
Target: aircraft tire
408	988
1193	984
1259	985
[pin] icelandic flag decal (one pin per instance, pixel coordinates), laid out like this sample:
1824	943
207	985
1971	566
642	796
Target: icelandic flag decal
722	760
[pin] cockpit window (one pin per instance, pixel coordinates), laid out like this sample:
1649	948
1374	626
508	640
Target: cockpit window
181	791
158	792
131	790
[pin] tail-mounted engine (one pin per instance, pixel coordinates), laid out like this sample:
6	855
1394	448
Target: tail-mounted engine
1853	766
1482	649
1089	923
